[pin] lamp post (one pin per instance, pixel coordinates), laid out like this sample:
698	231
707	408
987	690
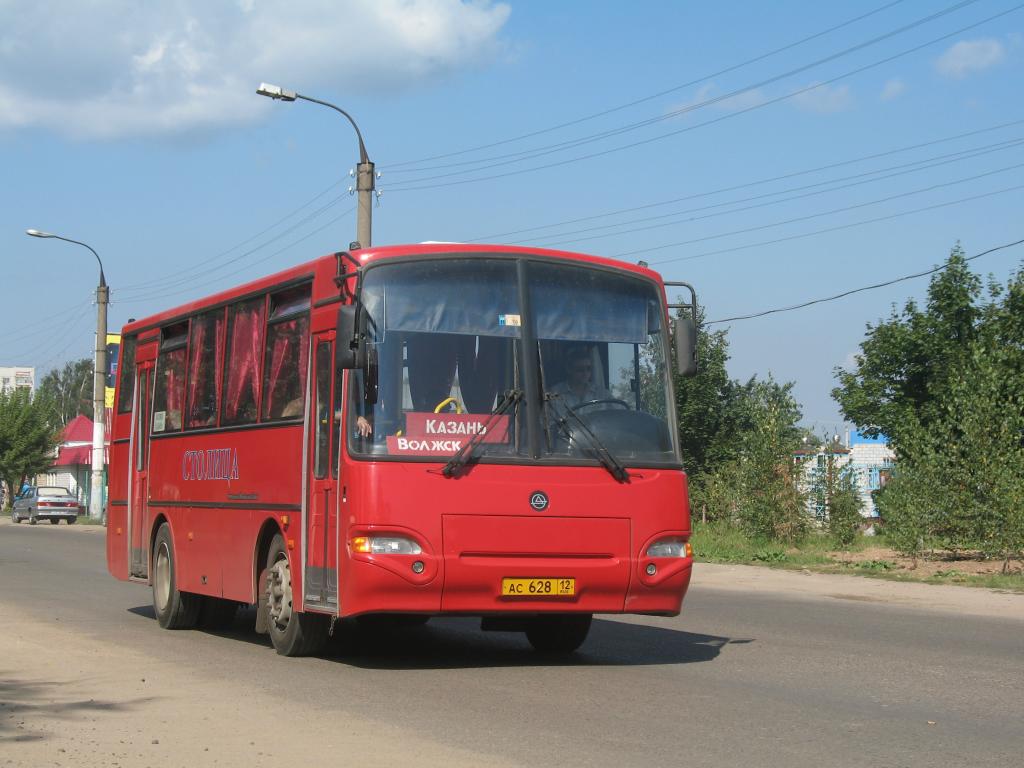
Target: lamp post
98	381
364	171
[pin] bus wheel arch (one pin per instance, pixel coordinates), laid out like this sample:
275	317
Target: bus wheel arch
159	521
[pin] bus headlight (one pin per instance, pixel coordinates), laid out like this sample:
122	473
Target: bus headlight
670	548
385	545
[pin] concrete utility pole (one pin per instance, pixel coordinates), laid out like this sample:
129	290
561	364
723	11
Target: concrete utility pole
365	177
99	382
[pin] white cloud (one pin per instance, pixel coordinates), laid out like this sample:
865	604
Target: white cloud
825	99
118	68
893	89
968	56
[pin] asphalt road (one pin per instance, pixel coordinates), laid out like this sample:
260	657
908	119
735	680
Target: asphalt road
762	678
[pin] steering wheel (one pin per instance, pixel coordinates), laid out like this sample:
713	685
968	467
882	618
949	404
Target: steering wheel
600	401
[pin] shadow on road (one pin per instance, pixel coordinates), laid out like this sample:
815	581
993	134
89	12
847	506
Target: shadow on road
459	643
29	708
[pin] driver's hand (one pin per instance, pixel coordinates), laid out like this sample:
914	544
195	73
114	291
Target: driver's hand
363	426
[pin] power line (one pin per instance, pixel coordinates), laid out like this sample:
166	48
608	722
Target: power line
416	186
840	227
549	149
397	167
158	295
220	266
818	215
66	333
259	234
47	325
499	236
859	290
898	170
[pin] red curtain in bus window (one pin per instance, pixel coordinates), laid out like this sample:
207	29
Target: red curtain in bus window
175	362
241	395
286	361
196	371
205	363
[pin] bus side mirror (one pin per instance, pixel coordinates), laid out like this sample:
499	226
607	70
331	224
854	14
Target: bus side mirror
350	348
686	345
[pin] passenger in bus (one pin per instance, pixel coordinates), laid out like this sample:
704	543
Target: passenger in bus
293	408
579	386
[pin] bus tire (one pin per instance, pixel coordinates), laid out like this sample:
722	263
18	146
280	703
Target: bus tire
558	633
174	609
292	632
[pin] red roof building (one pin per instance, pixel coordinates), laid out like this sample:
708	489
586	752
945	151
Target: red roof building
73	462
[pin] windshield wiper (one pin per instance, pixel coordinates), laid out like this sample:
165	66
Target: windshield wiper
465	453
603	454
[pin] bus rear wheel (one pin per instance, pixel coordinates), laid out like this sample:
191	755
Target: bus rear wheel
558	633
174	609
292	632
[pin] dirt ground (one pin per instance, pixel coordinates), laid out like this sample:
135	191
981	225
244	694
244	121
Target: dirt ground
937	564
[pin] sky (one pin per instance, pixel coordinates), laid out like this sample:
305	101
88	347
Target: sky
769	154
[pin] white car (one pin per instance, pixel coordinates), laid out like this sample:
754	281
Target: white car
45	502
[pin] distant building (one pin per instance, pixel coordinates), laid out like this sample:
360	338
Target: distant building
874	461
870	459
17	377
814	464
72	464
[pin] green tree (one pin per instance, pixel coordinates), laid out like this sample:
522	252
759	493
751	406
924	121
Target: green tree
907	362
27	437
755	488
947	384
773	505
69	389
703	405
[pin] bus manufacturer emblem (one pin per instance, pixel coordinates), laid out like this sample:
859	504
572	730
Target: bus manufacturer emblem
539	500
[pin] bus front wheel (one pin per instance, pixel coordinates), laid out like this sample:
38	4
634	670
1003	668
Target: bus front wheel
558	633
174	609
292	632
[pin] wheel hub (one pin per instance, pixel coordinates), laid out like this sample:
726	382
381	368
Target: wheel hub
162	578
279	593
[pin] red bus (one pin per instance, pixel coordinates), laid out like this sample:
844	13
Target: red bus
409	431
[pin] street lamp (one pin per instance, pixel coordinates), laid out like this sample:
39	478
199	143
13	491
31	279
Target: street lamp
364	171
98	380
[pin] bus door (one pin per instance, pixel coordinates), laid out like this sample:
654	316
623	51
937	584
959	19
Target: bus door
321	571
138	472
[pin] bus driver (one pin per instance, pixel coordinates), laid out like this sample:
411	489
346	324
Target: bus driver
579	386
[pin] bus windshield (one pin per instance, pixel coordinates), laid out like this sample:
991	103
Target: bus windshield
450	339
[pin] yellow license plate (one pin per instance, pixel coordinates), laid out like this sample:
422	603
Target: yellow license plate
538	587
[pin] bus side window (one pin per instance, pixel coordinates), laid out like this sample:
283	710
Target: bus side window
286	358
242	369
126	373
206	357
169	393
324	413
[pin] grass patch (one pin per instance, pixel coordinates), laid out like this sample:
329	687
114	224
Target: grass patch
868	556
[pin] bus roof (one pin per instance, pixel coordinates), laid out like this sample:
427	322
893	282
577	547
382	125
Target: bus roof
327	265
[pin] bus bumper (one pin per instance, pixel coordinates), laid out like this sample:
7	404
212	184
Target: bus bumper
484	569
